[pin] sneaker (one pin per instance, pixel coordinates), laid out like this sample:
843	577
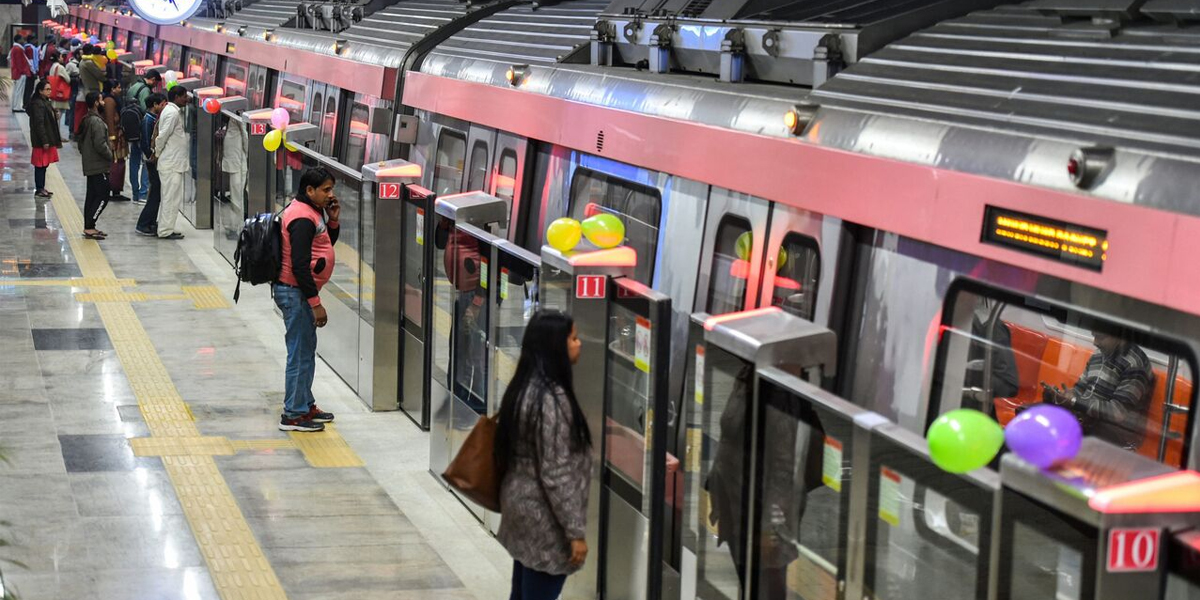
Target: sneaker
119	198
299	424
42	194
145	232
316	415
173	236
139	200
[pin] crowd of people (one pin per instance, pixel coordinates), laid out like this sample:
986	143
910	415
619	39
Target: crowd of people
124	129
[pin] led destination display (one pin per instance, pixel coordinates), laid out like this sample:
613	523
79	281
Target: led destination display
1050	238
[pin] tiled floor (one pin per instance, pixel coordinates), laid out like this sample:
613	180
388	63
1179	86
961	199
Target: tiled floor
90	519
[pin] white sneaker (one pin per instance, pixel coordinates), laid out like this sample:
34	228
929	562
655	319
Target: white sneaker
139	200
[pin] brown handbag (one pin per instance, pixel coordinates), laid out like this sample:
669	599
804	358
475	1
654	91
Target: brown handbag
473	471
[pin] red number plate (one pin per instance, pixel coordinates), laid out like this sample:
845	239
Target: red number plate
389	191
1132	550
258	128
591	286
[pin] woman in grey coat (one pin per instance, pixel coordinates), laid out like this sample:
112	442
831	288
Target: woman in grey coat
543	455
97	156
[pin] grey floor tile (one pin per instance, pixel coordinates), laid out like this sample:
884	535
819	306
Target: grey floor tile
91	453
99	388
90	544
50	270
141	492
79	362
29	499
115	584
71	339
378	568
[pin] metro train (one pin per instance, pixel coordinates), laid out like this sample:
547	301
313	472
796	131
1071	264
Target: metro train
972	196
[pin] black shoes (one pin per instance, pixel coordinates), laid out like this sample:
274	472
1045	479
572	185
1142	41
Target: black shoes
299	424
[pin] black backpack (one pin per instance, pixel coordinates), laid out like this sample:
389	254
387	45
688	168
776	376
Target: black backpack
259	254
131	121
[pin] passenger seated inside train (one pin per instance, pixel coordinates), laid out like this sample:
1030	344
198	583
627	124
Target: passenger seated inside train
1112	395
1003	355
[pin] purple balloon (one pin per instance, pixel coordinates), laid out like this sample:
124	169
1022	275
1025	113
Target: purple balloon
1044	435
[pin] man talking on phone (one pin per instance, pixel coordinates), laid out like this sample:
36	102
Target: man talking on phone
310	229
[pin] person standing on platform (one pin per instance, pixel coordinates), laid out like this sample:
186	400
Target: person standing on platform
143	87
47	57
90	72
147	224
310	229
96	153
59	70
132	115
19	70
543	458
77	92
172	149
116	137
44	135
31	54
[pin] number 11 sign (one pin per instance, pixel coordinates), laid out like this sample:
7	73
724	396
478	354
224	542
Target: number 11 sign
591	286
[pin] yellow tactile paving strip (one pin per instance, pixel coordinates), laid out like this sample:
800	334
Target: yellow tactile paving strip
235	561
206	297
79	282
326	448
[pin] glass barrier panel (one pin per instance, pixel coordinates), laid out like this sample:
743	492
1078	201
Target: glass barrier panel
229	211
628	400
1047	554
803	466
471	320
517	302
366	254
414	255
724	461
445	300
346	274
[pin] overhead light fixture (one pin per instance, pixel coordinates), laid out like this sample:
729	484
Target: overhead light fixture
242	31
220	28
269	35
339	46
517	74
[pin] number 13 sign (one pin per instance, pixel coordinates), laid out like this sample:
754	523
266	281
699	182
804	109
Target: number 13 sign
1132	550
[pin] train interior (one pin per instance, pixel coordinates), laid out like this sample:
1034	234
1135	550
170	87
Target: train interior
741	470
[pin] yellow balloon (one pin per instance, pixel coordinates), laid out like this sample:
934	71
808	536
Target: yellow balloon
290	146
564	234
272	140
111	54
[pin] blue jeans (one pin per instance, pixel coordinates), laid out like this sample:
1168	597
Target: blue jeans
528	584
301	342
139	178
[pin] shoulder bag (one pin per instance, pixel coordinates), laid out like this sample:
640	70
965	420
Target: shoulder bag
473	471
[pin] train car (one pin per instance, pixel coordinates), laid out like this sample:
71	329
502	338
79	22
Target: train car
970	195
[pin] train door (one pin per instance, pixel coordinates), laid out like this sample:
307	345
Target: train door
475	174
260	83
292	95
360	145
323	112
448	159
800	260
138	46
234	77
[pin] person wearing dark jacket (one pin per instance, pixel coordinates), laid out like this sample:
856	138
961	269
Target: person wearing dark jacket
97	157
310	229
147	224
44	135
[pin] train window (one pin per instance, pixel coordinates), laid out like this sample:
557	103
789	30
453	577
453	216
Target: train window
356	153
448	170
1003	353
505	184
235	79
328	125
729	273
195	65
797	272
638	206
291	98
477	173
318	102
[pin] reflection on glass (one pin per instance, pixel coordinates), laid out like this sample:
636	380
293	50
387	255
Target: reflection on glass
347	276
801	471
797	271
638	206
506	177
470	273
291	98
414	263
911	562
627	396
356	151
1004	355
730	267
517	301
235	79
328	125
444	299
448	169
721	539
1047	568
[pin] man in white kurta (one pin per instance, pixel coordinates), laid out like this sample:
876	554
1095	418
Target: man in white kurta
171	146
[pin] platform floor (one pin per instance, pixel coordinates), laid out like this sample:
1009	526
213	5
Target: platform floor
139	424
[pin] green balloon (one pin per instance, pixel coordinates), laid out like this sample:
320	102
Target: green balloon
964	440
744	247
171	84
604	230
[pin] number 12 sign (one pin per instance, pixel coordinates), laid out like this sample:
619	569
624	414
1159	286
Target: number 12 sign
389	191
1132	550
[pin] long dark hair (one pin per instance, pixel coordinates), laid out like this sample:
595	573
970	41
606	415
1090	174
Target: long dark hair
544	362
